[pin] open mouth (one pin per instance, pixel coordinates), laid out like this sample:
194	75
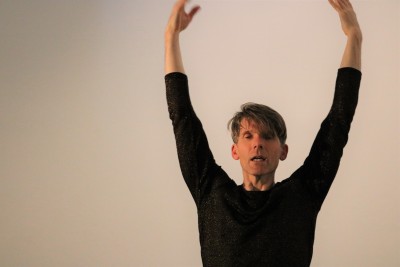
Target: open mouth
258	158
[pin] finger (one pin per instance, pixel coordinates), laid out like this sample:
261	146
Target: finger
347	4
180	4
194	11
333	4
343	4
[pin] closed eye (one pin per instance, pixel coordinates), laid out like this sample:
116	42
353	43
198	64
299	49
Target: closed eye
247	135
268	136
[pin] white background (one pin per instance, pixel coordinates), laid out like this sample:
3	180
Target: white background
88	167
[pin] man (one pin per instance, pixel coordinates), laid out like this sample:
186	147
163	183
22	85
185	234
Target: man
259	223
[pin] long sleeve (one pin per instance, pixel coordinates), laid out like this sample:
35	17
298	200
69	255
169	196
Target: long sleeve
320	167
197	163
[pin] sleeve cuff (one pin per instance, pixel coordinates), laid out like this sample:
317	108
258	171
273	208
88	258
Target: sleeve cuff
349	71
175	75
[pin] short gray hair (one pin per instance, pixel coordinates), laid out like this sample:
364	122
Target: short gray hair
264	116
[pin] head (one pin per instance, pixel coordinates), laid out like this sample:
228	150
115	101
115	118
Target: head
263	116
259	137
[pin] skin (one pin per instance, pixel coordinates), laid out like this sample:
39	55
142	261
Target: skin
351	28
259	175
259	155
178	21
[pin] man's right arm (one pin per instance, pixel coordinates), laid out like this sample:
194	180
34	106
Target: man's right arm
178	21
195	158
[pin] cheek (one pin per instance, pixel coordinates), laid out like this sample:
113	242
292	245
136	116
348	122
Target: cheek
276	152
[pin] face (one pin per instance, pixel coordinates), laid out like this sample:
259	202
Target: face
258	152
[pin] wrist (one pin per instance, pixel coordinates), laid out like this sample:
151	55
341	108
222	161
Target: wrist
171	35
355	35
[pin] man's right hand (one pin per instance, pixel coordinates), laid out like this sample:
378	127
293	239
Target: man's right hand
179	19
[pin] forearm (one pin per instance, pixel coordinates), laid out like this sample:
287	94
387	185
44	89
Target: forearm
173	56
351	28
177	22
352	52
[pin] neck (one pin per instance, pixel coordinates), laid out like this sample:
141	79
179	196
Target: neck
255	183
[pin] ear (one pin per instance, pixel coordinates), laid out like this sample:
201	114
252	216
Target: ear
234	152
285	151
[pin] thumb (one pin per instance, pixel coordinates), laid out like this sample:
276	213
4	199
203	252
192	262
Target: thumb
193	11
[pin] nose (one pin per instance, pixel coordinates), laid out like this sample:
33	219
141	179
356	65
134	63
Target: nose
257	142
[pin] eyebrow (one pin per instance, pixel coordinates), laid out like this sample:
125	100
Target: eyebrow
265	134
268	135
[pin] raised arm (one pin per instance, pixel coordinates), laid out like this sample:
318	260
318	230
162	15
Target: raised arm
178	21
352	53
321	165
199	169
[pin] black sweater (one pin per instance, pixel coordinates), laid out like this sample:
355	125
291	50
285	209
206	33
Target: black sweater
270	228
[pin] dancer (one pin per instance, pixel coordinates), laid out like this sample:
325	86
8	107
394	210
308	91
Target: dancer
259	222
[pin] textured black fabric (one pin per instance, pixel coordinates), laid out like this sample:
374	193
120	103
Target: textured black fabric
270	228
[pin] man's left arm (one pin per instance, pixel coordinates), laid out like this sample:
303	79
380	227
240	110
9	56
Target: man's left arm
348	19
320	167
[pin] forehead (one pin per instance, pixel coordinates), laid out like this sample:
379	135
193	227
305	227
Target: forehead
248	125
